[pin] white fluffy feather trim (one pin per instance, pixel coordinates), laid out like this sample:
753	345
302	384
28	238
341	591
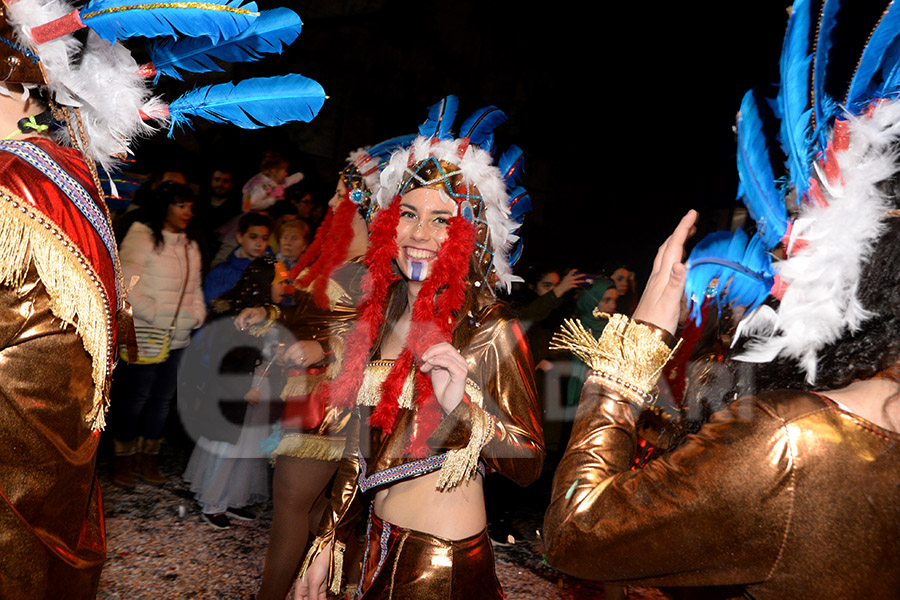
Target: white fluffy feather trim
821	304
477	169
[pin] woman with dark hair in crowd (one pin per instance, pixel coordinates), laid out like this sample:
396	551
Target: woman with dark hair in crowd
167	297
438	376
790	492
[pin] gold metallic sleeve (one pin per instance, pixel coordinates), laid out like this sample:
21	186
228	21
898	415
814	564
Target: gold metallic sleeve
501	370
715	511
345	509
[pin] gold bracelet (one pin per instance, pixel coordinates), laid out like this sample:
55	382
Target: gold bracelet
630	355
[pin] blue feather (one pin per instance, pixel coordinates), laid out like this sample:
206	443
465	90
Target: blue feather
761	196
793	106
890	80
251	104
480	126
511	165
121	19
824	106
743	270
880	52
382	151
440	119
519	204
515	253
268	34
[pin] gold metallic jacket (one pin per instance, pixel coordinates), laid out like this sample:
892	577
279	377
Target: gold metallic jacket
57	340
308	321
500	363
779	496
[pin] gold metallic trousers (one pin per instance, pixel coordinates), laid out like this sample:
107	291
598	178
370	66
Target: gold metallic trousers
403	564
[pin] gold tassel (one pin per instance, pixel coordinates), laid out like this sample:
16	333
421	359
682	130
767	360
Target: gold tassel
299	385
303	445
462	463
337	569
629	355
76	294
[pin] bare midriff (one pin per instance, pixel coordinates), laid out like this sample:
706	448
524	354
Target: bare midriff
454	514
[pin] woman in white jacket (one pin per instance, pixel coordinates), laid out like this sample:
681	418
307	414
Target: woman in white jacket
165	258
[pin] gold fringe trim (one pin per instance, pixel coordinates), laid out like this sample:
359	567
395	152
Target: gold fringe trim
337	567
337	349
629	355
461	463
337	560
375	374
305	445
333	290
300	385
76	294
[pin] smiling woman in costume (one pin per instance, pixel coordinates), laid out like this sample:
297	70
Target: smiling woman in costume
439	374
791	491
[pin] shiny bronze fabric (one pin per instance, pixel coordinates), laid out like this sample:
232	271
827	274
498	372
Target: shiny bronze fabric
779	496
308	321
496	349
500	363
51	527
404	564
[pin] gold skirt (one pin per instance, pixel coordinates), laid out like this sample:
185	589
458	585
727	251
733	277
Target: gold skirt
404	564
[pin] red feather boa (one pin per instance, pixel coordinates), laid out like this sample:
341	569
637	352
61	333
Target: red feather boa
341	392
433	320
332	253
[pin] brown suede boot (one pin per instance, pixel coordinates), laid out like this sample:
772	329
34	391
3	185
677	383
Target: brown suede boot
148	461
123	463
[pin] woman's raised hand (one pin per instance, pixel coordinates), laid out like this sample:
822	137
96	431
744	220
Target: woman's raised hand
249	316
660	303
303	354
448	371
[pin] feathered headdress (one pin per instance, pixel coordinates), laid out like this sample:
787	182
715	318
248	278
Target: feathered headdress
463	169
333	238
101	92
838	152
482	227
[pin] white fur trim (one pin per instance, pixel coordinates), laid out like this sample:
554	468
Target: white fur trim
105	85
477	169
820	304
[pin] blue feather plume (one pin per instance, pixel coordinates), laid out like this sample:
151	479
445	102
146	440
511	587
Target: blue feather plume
440	119
511	165
757	188
382	151
268	34
480	126
519	204
793	106
824	106
121	19
742	269
879	56
251	104
890	79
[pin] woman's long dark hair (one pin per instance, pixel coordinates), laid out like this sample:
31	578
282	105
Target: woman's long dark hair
157	209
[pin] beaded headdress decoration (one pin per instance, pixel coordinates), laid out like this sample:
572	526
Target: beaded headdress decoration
838	152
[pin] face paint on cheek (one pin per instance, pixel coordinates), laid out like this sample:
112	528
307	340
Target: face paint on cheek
418	270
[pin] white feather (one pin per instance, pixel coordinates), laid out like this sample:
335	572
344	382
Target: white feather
821	304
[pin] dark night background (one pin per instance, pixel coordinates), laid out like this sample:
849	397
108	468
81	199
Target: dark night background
624	110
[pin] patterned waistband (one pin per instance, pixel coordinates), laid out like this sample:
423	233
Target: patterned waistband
405	471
